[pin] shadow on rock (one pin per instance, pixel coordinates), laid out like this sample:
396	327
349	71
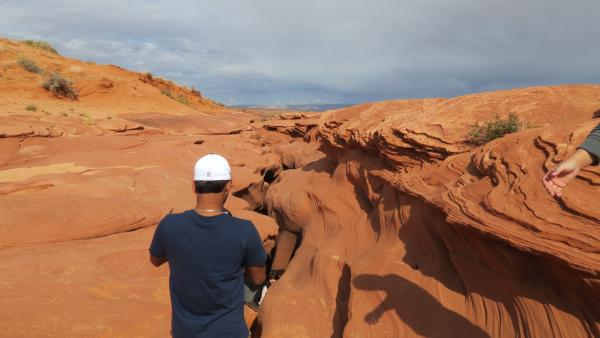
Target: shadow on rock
415	307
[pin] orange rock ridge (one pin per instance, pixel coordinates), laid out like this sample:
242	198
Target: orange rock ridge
410	231
84	182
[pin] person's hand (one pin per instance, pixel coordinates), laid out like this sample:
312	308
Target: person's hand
555	180
558	178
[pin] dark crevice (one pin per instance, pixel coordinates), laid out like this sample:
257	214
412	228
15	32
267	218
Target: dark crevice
262	209
270	175
241	193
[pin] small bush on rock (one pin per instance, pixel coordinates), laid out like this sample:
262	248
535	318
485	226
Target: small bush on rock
59	86
87	119
43	45
491	130
30	65
167	93
196	92
182	99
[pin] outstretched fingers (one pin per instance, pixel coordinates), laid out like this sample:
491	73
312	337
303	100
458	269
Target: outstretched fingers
553	185
558	182
550	175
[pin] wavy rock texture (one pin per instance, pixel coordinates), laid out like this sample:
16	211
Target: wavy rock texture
108	184
406	230
293	124
409	231
112	100
73	265
83	184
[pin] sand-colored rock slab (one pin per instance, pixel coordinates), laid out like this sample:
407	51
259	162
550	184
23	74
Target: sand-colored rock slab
72	266
102	287
56	189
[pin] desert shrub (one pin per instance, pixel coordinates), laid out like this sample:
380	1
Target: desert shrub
87	119
196	92
59	86
167	93
43	45
491	130
30	65
31	107
182	99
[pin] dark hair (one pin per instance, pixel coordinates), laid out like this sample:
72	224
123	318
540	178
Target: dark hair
209	187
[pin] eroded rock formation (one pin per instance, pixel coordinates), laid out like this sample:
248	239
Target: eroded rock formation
407	230
84	182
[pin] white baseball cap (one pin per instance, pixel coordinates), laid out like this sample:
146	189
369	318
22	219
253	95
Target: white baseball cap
212	167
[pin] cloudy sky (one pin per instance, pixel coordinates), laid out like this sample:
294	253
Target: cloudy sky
327	51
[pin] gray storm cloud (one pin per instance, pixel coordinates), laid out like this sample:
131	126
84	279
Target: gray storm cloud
268	51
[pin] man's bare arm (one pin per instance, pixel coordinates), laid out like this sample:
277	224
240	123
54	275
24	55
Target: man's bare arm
157	261
258	274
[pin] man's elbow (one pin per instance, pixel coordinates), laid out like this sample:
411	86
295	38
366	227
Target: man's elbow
258	275
157	261
260	279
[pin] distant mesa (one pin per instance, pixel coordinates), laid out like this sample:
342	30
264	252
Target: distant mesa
296	107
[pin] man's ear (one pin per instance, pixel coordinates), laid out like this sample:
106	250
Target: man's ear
228	186
194	187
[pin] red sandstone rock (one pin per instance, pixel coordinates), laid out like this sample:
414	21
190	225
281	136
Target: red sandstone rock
410	231
407	230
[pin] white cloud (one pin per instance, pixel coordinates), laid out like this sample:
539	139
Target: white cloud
266	51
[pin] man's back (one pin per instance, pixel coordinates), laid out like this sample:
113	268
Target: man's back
206	257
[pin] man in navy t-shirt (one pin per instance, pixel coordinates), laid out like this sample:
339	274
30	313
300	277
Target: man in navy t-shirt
208	251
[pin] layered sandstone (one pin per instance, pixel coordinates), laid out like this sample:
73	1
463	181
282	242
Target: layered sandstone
407	230
84	182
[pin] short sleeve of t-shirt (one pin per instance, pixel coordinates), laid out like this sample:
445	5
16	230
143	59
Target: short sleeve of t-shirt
157	248
592	144
254	254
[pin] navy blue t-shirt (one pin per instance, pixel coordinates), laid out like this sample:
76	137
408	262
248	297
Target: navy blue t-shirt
206	257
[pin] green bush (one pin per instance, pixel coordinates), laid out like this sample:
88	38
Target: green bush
196	92
60	86
491	130
30	66
31	107
167	93
87	119
182	99
43	45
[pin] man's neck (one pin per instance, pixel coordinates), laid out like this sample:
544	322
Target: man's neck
208	207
